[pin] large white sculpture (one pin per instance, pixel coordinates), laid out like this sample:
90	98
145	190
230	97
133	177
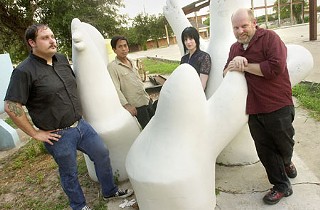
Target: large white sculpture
100	102
171	164
241	150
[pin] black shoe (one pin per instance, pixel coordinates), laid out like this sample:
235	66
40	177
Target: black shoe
119	194
274	196
291	170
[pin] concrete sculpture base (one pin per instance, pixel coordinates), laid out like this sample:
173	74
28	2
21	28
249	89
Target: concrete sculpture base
240	151
8	136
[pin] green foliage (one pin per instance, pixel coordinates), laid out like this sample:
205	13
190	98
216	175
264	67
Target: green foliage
141	28
38	203
207	22
285	11
16	16
308	95
38	179
146	27
29	152
156	66
157	27
10	122
262	18
82	167
116	177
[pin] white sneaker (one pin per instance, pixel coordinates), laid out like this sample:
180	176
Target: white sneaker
86	208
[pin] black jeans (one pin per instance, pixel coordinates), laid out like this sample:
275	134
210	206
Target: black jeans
145	113
273	136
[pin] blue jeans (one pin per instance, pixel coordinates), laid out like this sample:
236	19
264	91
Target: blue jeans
273	136
83	138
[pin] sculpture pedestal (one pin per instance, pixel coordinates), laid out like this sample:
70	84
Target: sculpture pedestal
240	151
8	136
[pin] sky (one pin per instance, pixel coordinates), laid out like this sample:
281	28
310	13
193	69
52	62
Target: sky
154	7
151	7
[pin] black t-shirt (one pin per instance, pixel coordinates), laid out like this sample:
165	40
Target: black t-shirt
49	92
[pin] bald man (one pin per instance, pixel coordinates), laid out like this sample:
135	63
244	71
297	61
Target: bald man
261	55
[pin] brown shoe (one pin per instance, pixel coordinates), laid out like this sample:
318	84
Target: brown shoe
274	196
291	170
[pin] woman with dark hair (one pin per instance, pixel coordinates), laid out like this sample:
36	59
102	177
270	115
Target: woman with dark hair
197	58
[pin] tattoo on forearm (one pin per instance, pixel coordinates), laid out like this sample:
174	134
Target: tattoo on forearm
13	107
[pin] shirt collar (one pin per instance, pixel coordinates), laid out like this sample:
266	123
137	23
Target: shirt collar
41	60
119	62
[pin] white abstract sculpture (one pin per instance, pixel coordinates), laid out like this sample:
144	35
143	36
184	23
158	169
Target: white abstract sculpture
241	150
100	102
8	136
171	165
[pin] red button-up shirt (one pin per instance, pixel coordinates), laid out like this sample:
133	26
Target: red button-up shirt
272	91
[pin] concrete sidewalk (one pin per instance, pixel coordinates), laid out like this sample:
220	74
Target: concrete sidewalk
243	187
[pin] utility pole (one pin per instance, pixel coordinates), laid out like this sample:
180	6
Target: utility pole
313	20
167	34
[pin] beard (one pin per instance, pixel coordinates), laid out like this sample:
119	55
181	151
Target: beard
244	38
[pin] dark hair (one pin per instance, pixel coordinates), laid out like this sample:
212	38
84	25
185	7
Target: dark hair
190	32
115	39
32	31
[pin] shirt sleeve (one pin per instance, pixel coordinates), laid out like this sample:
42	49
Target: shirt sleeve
205	66
112	68
19	87
276	54
184	59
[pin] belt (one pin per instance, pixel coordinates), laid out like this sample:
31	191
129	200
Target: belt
75	124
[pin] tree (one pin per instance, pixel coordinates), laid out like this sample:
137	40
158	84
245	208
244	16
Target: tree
141	29
17	15
285	11
207	21
146	27
157	27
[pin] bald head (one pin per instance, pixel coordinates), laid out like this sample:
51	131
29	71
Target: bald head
244	25
243	13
